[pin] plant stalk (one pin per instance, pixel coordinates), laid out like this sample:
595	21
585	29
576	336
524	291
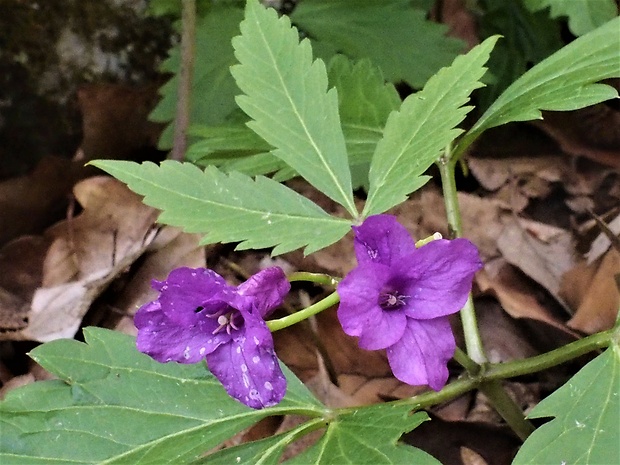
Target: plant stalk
290	320
186	73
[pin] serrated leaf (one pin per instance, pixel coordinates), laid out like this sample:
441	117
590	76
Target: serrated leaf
263	452
395	36
527	39
415	136
586	426
213	88
567	80
583	15
368	435
365	101
285	94
113	404
230	207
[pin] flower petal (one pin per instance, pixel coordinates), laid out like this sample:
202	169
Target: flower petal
382	239
359	312
439	276
165	340
421	356
263	292
187	289
248	367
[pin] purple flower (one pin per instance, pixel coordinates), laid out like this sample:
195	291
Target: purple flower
398	298
198	315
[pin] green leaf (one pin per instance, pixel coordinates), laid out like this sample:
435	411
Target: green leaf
415	136
583	15
263	452
528	38
213	88
567	80
113	404
231	207
368	435
395	36
365	101
585	429
286	96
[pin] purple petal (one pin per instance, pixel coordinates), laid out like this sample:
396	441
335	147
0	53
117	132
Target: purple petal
439	276
382	239
187	289
263	292
248	367
359	312
422	354
165	340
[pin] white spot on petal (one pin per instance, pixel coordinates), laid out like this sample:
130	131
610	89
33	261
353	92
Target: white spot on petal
256	341
244	368
268	386
254	394
202	350
186	352
246	380
238	349
256	359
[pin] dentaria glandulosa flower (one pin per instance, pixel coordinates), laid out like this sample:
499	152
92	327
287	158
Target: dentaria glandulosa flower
398	298
198	315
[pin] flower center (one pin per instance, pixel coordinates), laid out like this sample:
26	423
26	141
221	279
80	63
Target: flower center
227	320
392	300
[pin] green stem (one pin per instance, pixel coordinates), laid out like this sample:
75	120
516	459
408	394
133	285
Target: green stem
285	322
496	372
550	359
317	278
473	342
463	359
507	408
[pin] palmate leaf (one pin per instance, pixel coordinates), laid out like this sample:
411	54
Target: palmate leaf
113	404
231	207
415	136
586	426
213	88
285	94
567	80
583	15
366	435
364	101
393	34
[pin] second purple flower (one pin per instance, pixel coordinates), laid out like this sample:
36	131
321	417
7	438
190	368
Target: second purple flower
198	315
398	298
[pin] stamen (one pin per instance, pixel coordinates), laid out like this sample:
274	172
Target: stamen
392	300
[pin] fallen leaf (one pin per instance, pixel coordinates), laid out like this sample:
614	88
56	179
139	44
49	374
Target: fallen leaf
593	293
542	252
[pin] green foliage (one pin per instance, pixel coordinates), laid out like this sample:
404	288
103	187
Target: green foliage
586	411
368	435
567	80
364	102
415	136
213	89
527	39
583	15
286	96
395	36
231	207
113	404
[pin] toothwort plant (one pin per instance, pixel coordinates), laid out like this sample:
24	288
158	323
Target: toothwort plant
341	128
